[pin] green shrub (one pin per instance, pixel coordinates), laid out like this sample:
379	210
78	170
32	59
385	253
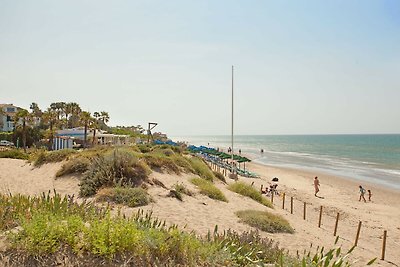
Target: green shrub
201	168
265	221
250	249
248	191
144	148
118	168
219	176
14	154
75	165
44	157
208	189
131	197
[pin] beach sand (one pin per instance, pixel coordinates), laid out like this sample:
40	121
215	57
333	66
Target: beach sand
201	214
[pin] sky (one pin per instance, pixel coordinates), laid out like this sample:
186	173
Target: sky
300	67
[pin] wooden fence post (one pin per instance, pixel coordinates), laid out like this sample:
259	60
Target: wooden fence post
272	196
384	245
291	205
336	224
320	217
358	233
283	201
304	211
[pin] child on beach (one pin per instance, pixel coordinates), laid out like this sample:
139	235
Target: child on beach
362	193
369	195
316	185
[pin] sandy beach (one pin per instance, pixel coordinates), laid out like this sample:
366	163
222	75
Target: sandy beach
201	214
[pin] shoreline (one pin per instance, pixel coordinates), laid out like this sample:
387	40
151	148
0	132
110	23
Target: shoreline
321	173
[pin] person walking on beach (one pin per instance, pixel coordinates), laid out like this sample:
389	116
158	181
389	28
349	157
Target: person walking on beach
362	193
316	185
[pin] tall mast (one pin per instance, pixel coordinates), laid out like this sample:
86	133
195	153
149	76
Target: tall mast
232	125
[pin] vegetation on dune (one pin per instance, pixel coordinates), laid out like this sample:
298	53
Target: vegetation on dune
14	154
161	161
220	176
201	168
179	190
118	168
75	165
43	157
249	191
49	227
265	221
131	197
209	189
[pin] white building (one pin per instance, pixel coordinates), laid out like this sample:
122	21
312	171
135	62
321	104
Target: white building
7	116
102	138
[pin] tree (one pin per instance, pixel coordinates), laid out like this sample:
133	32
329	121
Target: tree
75	111
24	116
37	114
85	119
50	118
104	117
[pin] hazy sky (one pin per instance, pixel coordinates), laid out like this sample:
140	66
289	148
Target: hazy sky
301	67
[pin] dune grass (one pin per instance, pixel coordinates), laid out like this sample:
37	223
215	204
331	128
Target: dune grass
131	197
179	190
201	168
75	165
219	176
265	221
247	190
43	157
208	189
14	154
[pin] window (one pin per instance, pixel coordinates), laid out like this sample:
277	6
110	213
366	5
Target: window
10	109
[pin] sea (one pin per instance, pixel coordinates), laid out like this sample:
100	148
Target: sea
370	158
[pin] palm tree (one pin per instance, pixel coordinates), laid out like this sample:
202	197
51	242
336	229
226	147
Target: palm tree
25	116
85	119
75	110
36	113
50	118
2	113
104	116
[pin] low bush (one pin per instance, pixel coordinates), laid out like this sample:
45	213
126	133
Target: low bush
75	165
144	148
265	221
131	197
14	154
248	191
201	169
117	168
208	189
44	157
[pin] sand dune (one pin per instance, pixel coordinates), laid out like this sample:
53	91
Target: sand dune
201	214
